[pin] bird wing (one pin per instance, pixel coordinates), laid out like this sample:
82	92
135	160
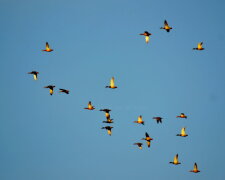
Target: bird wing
47	46
195	166
165	23
200	45
146	134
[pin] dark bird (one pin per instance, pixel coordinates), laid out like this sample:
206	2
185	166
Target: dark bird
166	26
109	129
148	139
64	91
35	73
158	119
51	88
108	120
139	145
107	115
146	34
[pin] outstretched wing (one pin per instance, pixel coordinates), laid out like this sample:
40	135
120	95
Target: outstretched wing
165	23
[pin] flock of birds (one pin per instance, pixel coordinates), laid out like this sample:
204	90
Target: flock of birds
112	85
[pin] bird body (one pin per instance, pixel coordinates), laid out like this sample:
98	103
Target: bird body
139	121
166	26
182	133
47	48
90	107
35	73
199	47
107	115
175	160
195	170
112	84
51	89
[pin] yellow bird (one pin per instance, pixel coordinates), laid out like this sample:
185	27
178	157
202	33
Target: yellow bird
166	26
51	89
199	47
139	145
140	121
47	48
195	170
148	139
112	84
147	36
175	160
182	133
90	107
109	129
182	115
35	73
107	115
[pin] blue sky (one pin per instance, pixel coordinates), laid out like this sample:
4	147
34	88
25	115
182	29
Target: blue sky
53	137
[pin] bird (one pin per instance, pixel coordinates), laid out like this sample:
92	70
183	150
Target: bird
107	115
148	139
182	115
109	129
158	119
47	48
139	145
112	84
166	26
146	34
182	133
51	88
199	47
140	121
108	120
35	73
195	170
90	107
64	91
175	160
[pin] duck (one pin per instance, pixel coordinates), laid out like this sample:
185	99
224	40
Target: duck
146	34
107	115
108	120
140	121
158	119
195	170
51	89
175	160
139	145
35	73
166	26
112	84
148	139
47	48
199	47
182	133
64	91
90	107
109	129
182	115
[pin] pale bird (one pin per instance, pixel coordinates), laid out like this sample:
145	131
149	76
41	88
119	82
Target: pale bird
139	121
166	26
148	139
51	89
182	133
47	48
199	47
195	170
35	74
109	129
147	36
112	84
90	107
175	160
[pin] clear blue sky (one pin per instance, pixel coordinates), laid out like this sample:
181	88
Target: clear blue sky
52	137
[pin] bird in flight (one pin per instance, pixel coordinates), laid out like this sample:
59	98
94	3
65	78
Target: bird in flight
182	133
35	73
158	119
182	115
109	129
108	120
166	26
64	91
148	139
140	121
107	115
51	88
139	145
175	160
195	170
147	36
47	48
199	47
90	107
112	84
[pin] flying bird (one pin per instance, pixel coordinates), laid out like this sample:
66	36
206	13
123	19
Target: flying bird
195	170
47	48
166	26
112	84
51	88
199	47
146	34
109	129
175	160
182	115
158	119
140	121
90	107
35	73
182	133
64	91
139	145
148	139
107	115
108	120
